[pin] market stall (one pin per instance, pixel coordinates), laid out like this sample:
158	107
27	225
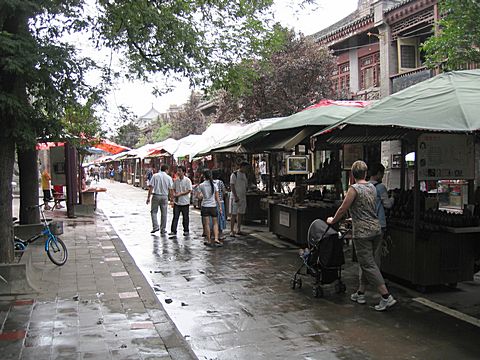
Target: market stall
285	142
429	242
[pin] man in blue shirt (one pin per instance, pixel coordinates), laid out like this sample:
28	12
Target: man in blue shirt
383	201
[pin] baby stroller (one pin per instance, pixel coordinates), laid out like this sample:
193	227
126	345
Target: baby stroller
323	259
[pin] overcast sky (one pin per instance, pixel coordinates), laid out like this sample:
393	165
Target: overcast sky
138	96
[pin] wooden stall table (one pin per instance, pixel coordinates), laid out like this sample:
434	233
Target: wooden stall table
292	222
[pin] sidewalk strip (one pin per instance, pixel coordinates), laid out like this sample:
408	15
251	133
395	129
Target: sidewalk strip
457	314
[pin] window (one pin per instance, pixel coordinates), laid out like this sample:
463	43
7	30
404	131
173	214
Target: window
369	71
408	56
341	81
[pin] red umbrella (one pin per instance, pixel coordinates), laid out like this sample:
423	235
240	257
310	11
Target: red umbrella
111	147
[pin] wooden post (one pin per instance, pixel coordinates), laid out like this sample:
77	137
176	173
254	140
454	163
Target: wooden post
416	196
402	166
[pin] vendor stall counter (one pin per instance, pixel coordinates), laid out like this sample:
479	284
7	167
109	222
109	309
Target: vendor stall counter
292	222
444	256
255	212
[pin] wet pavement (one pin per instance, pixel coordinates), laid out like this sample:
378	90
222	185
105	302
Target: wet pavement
236	302
97	306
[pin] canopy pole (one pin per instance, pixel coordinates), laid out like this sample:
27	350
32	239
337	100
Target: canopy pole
270	174
402	165
416	196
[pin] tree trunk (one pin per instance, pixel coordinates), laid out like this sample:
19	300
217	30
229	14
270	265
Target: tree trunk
7	158
71	178
28	166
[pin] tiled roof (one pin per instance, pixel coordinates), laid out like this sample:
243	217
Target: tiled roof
337	26
396	6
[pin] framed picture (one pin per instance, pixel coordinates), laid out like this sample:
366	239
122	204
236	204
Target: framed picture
297	165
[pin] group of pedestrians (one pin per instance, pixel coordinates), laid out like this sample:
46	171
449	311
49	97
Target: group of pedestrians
162	189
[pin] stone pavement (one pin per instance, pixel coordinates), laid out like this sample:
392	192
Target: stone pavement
236	302
233	302
97	306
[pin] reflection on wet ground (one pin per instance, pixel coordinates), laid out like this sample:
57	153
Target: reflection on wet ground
236	302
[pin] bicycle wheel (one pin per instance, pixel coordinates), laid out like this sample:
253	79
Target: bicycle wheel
57	251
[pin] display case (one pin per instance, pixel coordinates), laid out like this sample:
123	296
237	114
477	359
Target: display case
443	251
292	221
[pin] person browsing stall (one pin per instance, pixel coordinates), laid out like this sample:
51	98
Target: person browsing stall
239	186
382	201
360	201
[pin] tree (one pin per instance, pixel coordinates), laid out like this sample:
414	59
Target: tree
286	81
162	132
190	120
127	134
457	44
41	75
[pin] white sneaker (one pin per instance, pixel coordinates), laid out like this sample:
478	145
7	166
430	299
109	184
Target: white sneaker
358	298
384	304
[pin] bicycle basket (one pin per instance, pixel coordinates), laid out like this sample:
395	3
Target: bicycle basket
56	227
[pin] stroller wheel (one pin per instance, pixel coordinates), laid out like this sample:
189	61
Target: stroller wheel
317	291
296	282
293	283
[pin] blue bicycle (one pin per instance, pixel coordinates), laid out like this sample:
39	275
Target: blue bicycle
54	246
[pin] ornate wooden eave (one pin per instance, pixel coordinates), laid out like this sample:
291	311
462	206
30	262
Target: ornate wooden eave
406	9
355	27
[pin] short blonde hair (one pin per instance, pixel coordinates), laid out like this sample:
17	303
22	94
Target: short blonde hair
359	170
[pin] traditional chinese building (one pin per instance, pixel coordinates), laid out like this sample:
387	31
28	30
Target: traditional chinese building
378	47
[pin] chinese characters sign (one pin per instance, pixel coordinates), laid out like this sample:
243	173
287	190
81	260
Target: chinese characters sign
445	156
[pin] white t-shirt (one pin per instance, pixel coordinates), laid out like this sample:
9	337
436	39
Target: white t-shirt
161	182
208	195
262	166
241	183
180	186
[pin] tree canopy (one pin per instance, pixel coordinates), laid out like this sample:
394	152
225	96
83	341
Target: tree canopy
457	45
190	120
293	76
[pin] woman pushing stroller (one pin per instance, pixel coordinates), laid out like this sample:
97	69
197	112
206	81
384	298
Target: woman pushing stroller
367	235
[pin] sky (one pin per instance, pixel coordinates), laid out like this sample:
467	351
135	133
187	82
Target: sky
138	97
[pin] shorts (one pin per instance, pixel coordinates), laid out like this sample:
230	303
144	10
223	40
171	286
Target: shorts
239	207
47	195
208	211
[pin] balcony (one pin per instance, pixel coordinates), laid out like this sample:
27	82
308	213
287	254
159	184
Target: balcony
405	79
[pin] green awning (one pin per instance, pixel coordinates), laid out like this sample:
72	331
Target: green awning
447	102
284	134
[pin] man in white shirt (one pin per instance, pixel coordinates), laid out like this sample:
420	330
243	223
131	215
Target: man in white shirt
182	187
239	185
161	189
262	167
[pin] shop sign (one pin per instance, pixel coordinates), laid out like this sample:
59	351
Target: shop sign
446	157
284	218
351	153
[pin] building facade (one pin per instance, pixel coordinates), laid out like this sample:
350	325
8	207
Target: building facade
378	47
